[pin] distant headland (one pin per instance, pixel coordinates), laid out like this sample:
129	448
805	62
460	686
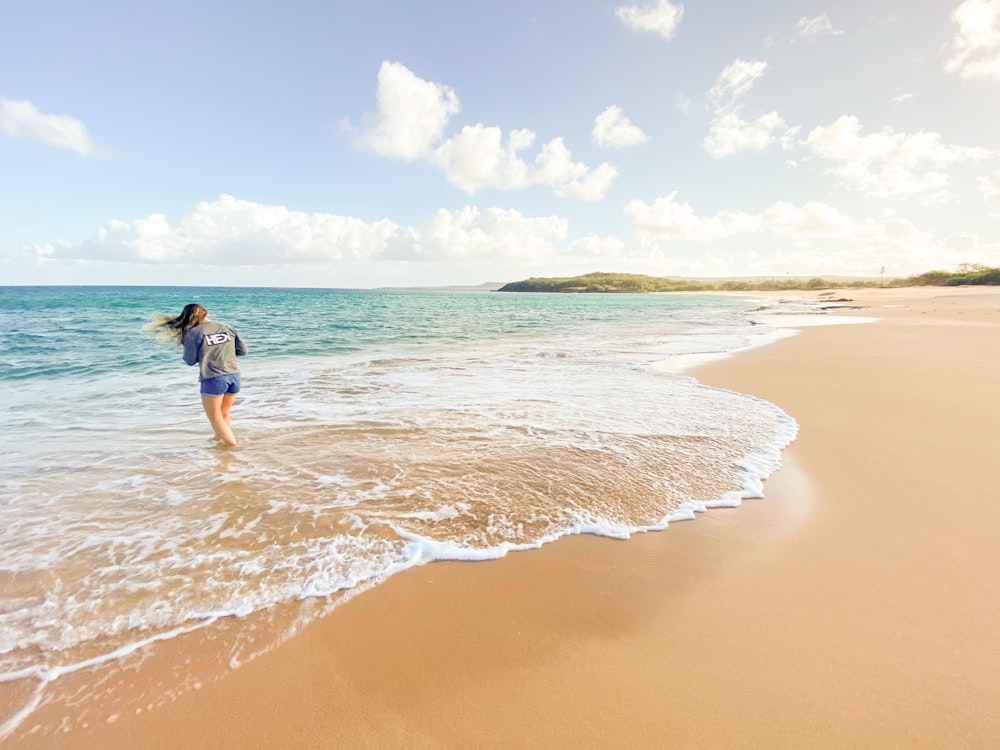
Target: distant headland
967	274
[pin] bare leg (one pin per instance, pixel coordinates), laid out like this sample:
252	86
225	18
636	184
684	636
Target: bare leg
213	410
227	404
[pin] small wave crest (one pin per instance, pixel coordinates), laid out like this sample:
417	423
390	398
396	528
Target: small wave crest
353	468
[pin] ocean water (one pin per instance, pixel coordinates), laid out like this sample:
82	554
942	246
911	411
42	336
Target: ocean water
379	430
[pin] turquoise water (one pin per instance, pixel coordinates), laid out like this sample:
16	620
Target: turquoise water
378	429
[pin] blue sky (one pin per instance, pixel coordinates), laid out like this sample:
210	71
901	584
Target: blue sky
399	143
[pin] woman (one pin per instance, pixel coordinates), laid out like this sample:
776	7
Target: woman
214	347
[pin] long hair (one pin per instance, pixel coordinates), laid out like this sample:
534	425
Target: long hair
173	329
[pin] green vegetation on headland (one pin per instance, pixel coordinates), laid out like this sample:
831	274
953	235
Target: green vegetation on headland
967	273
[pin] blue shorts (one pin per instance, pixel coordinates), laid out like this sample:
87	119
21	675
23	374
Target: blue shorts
220	385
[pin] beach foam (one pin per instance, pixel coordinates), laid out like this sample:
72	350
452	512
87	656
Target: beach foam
122	527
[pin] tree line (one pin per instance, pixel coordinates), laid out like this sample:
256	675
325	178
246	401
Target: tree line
966	274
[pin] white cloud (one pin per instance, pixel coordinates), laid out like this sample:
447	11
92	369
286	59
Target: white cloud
477	157
597	247
729	133
813	220
989	186
555	167
887	163
410	125
475	235
411	116
736	79
230	238
976	44
233	232
820	239
590	186
229	231
814	27
612	129
661	17
22	120
665	217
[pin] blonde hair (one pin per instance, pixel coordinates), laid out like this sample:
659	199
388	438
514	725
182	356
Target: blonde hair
173	329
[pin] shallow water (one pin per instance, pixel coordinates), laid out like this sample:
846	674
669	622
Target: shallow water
379	430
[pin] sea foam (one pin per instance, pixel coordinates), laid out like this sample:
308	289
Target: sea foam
447	427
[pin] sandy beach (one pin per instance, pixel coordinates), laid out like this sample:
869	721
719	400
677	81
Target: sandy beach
854	607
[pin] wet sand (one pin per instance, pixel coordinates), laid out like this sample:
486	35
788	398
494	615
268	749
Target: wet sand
855	607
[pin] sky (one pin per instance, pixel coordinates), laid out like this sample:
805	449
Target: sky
397	143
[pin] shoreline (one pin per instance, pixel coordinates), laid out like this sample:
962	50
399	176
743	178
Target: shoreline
849	608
